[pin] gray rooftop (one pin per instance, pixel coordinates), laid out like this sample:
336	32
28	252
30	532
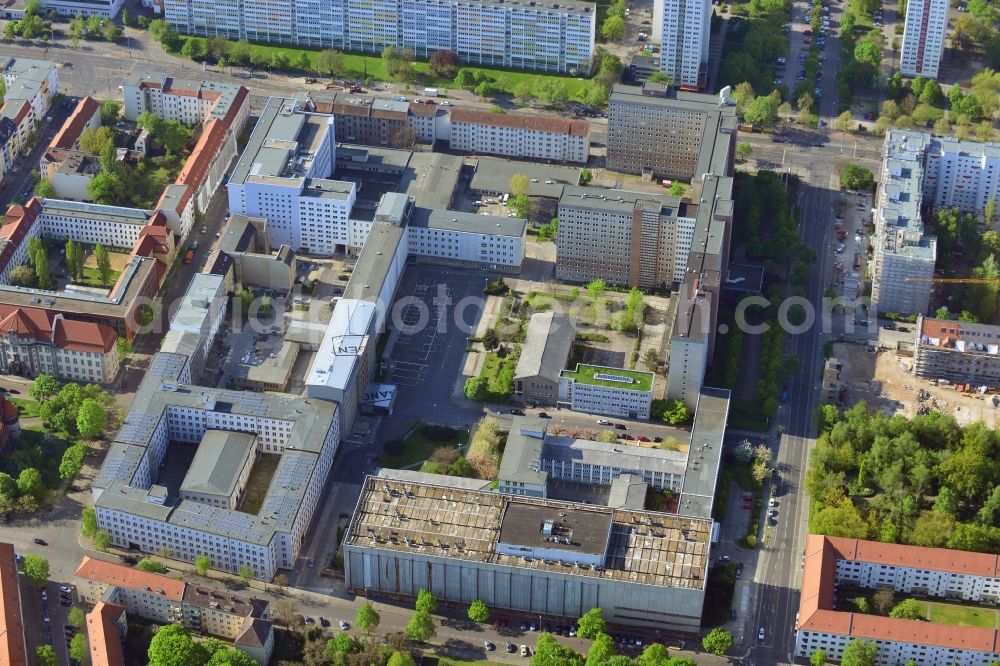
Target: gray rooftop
431	179
901	196
282	143
586	530
205	292
546	347
92	211
471	223
628	491
522	455
220	458
619	201
374	263
705	453
546	180
625	457
413	476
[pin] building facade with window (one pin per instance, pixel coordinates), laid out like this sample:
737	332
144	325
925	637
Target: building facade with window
683	28
924	31
520	135
610	391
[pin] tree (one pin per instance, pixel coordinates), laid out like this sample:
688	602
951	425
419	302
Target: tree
102	540
112	33
859	652
400	659
883	601
718	641
592	623
520	205
479	612
676	412
908	609
342	643
444	63
844	122
36	569
613	29
202	564
330	61
194	48
33	8
817	658
519	184
661	77
231	657
420	627
172	645
88	520
45	656
743	150
77	618
931	94
550	652
843	519
601	649
491	340
743	94
42	273
931	529
78	648
655	654
246	573
91	419
855	177
44	189
868	51
286	613
162	32
151	565
762	111
103	263
426	602
29	482
22	276
367	618
92	141
596	288
106	189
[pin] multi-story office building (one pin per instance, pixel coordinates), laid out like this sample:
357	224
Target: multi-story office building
683	28
140	513
961	352
924	32
626	238
200	314
652	129
166	600
610	391
30	87
642	568
467	240
186	101
104	8
523	34
834	563
520	135
373	121
35	342
904	256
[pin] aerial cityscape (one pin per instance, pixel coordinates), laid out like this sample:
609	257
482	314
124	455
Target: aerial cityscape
551	332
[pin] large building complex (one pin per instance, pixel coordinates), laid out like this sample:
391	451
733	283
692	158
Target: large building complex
904	257
683	27
166	600
30	87
532	555
834	563
139	496
12	643
520	135
626	238
187	101
654	130
924	32
958	351
523	34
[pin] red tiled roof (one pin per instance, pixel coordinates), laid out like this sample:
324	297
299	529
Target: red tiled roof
521	121
73	128
104	636
21	112
241	97
84	336
132	579
817	614
16	223
12	649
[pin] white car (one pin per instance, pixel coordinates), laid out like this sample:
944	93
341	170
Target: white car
603	422
760	634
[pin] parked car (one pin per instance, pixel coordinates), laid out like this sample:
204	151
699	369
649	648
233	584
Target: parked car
344	626
40	542
489	646
511	648
525	651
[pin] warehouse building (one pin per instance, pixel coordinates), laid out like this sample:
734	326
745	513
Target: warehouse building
836	562
532	556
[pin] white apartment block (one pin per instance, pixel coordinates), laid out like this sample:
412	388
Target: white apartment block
834	562
105	8
924	33
608	391
960	174
520	135
627	238
30	87
902	251
485	242
187	101
89	223
683	28
523	34
136	512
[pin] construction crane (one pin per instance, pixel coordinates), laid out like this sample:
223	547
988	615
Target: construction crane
954	280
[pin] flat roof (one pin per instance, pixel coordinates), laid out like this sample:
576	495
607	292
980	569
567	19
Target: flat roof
545	180
548	342
618	378
218	461
373	264
336	361
704	453
522	454
91	211
623	456
282	143
621	201
585	531
472	223
645	547
431	179
205	292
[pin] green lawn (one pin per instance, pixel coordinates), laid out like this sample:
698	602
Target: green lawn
634	380
418	447
966	616
362	67
25	406
91	278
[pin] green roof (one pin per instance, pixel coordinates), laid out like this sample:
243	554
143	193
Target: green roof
585	374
